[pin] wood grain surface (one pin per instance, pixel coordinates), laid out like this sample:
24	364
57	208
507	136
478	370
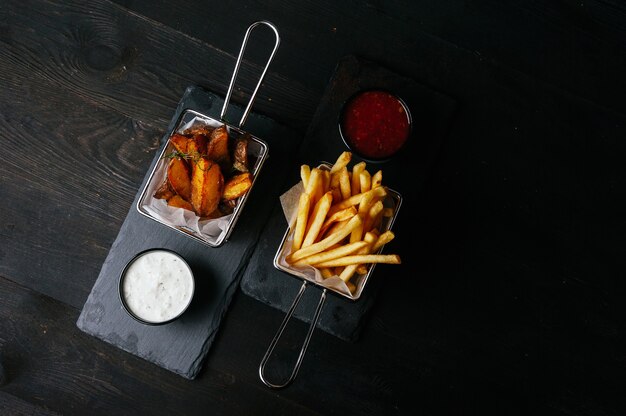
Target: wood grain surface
516	301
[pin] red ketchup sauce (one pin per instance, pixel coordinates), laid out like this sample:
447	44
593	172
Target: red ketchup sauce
375	124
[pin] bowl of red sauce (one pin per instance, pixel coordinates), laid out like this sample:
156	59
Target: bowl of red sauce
375	124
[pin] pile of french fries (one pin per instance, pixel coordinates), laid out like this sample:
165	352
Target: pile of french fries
338	220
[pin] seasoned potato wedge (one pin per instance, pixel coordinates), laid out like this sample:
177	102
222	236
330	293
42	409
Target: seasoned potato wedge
200	129
180	142
237	186
178	202
207	185
165	191
199	145
201	177
241	155
178	175
217	149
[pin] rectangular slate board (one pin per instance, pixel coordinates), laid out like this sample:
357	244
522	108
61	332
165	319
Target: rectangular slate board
406	173
181	346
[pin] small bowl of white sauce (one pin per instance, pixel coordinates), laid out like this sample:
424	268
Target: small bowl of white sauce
156	286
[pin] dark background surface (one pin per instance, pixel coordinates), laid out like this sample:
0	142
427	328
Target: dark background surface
515	304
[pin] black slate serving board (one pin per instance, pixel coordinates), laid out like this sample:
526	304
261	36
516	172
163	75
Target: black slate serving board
406	173
182	345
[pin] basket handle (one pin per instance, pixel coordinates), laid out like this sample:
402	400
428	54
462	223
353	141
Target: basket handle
236	70
279	333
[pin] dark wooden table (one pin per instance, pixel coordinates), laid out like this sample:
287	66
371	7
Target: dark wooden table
517	302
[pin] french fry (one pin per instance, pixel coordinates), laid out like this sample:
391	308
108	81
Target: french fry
326	273
372	215
335	227
377	179
366	203
361	269
365	180
335	187
388	212
314	186
327	255
351	287
357	234
344	184
344	214
305	173
316	219
342	162
348	271
383	239
303	214
356	199
356	181
361	258
326	242
325	181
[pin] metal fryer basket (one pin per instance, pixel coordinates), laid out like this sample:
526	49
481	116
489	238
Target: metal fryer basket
256	148
393	199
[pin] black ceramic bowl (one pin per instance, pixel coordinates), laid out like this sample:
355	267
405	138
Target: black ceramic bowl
152	273
379	115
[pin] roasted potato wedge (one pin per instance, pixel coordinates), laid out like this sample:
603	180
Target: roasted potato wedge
178	202
179	178
200	129
200	144
180	142
237	186
165	191
217	149
207	185
241	155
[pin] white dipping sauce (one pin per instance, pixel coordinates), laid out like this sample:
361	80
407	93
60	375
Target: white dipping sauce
158	286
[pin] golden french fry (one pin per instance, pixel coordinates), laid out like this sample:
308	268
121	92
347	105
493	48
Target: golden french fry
334	186
338	270
351	287
316	220
326	242
314	186
325	181
361	259
366	204
303	214
356	172
305	173
357	234
383	239
342	162
332	254
335	227
344	183
379	192
344	214
372	215
361	269
365	180
377	179
326	273
388	212
348	271
370	237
